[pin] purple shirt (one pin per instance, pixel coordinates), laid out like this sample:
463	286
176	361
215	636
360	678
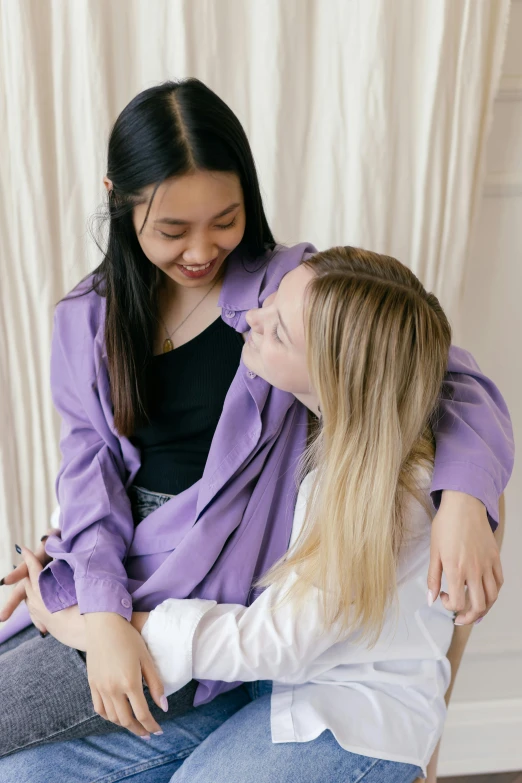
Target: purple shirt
220	535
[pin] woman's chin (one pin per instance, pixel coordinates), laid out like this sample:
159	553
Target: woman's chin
248	359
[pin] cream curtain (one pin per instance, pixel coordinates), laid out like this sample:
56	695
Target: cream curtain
367	118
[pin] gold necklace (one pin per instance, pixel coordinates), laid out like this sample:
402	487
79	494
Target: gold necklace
168	345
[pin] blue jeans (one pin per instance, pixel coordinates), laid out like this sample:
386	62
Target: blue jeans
35	708
226	741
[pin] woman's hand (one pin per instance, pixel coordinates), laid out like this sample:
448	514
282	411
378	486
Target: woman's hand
67	625
117	657
464	547
117	660
20	573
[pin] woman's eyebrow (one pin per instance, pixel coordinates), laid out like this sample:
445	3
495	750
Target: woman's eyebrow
178	222
284	327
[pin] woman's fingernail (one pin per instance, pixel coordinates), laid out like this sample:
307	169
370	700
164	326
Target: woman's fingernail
164	704
456	623
18	549
43	635
145	736
2	582
430	598
157	733
479	620
44	538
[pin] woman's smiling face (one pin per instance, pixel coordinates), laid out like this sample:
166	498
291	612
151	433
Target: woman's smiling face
276	348
195	222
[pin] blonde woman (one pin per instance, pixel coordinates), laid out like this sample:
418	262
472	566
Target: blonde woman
344	661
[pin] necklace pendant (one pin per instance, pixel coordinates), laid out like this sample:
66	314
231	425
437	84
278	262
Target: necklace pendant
167	345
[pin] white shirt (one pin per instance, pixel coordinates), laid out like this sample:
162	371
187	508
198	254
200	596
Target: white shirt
386	703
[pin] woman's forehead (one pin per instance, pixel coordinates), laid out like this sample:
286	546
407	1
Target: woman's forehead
291	298
293	285
197	194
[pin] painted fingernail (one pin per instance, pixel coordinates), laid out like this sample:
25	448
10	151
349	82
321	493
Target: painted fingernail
18	549
456	623
44	538
479	620
164	704
430	598
145	736
157	733
2	582
43	635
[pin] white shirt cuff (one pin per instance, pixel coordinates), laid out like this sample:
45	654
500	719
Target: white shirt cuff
168	633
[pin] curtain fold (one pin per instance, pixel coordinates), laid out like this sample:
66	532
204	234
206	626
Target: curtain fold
368	121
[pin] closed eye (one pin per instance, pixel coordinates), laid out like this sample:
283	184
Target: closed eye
180	236
172	236
228	225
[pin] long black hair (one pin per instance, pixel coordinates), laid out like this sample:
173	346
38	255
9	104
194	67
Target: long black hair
166	131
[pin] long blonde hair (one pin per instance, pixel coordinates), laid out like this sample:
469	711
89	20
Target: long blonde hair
377	351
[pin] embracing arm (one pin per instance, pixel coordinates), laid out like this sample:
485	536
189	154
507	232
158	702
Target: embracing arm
267	640
473	462
96	520
473	434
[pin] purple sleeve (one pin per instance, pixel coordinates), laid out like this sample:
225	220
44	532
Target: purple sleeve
96	519
473	434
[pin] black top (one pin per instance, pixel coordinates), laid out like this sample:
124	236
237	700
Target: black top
187	388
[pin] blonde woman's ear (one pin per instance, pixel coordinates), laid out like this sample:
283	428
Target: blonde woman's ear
108	184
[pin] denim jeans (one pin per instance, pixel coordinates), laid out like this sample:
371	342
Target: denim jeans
226	741
44	690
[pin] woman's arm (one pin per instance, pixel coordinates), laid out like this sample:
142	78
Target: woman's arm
267	640
96	523
473	462
117	657
473	434
96	519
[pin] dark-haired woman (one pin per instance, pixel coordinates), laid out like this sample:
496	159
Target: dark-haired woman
177	477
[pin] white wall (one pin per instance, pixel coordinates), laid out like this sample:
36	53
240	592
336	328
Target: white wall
484	729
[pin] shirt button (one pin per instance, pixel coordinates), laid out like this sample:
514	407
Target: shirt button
230	313
126	603
251	374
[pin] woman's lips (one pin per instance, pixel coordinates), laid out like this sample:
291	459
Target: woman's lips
194	272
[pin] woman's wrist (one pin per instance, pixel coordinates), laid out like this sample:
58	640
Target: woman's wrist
455	498
69	627
99	619
139	619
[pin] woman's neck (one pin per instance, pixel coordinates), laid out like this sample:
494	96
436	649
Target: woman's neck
172	294
185	312
310	401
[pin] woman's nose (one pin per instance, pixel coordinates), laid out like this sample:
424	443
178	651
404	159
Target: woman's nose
254	320
200	253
